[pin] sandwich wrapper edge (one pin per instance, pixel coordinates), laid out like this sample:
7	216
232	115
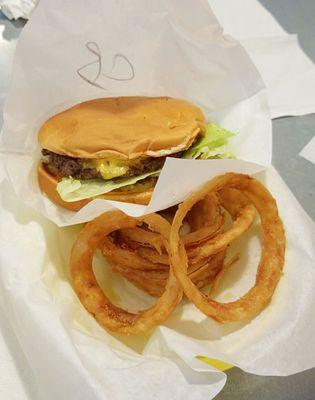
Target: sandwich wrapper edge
36	292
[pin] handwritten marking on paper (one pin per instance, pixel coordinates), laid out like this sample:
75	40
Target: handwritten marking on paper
121	68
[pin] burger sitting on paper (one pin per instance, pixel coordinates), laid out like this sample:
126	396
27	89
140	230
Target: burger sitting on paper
115	148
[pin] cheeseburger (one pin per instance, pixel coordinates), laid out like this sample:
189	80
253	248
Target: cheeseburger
115	148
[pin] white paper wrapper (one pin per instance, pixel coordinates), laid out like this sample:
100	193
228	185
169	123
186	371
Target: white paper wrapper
172	54
202	66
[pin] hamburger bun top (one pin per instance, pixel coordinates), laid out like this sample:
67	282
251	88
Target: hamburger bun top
123	127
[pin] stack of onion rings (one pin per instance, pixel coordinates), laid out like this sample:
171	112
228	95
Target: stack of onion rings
157	258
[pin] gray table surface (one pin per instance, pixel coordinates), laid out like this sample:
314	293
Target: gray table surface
291	134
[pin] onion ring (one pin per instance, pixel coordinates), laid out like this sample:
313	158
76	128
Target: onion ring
221	241
205	220
233	201
130	259
272	257
153	281
241	224
90	293
143	237
153	256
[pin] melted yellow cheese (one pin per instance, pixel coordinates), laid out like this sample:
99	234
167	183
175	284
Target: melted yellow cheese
108	168
111	168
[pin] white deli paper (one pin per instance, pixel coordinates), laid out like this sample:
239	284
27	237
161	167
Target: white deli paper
172	53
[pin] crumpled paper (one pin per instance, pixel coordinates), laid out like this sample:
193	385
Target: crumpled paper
287	71
289	74
14	9
246	19
71	355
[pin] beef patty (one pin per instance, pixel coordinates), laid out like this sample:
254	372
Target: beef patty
64	166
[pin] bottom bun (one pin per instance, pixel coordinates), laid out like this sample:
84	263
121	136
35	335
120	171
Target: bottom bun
48	183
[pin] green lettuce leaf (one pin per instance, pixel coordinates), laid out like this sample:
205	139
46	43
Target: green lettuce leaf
71	189
212	145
